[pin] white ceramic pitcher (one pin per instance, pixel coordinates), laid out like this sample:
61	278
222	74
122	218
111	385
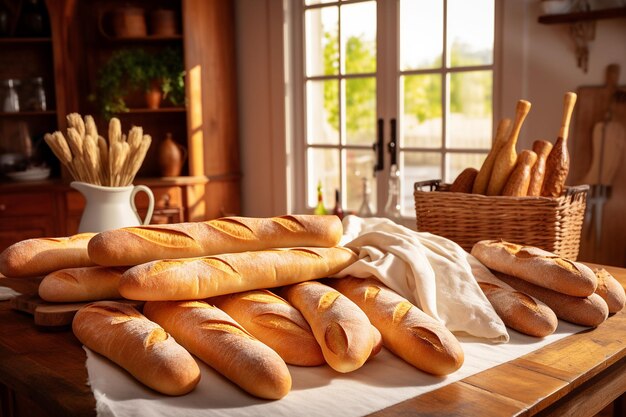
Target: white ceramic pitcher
111	207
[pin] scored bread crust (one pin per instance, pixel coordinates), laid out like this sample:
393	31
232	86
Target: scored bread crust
222	343
122	334
406	330
198	278
89	283
342	329
40	256
537	266
585	311
137	245
274	322
610	290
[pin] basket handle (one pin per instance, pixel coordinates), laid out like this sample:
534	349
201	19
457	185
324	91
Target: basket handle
432	184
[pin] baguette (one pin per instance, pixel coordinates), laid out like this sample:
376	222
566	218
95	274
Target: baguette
406	330
342	330
198	278
137	245
90	283
519	180
585	311
610	290
464	181
219	341
138	345
542	148
537	266
40	256
482	178
274	322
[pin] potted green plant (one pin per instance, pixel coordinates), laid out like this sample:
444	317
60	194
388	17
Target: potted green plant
128	71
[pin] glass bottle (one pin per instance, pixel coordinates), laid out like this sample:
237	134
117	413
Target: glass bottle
39	101
365	210
10	99
393	207
338	210
320	209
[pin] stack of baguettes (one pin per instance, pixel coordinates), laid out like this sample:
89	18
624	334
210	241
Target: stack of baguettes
573	291
206	284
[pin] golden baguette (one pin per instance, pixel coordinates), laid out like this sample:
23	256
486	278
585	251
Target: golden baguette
219	341
342	330
89	283
198	278
406	330
137	245
143	348
542	148
585	311
274	322
610	290
482	178
537	266
464	181
519	180
40	256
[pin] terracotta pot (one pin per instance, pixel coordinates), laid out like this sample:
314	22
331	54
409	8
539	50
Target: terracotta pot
153	98
163	22
129	22
171	157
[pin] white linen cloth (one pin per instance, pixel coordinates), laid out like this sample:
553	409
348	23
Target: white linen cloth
7	293
432	272
317	392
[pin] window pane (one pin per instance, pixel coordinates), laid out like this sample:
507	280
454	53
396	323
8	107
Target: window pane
421	122
360	120
421	34
416	166
358	37
322	165
469	122
322	46
322	112
359	164
309	2
457	162
470	32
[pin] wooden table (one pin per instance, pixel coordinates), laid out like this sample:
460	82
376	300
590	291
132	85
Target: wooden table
43	373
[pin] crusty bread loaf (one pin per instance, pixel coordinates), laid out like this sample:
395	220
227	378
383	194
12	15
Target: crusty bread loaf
142	347
340	327
537	266
221	342
40	256
407	331
90	283
464	182
137	245
610	290
198	278
586	311
482	178
274	322
542	148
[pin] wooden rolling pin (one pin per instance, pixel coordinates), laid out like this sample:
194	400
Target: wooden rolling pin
557	164
507	157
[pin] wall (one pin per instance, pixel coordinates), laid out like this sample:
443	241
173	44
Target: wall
538	64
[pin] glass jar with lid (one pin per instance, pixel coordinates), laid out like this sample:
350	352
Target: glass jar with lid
33	95
8	96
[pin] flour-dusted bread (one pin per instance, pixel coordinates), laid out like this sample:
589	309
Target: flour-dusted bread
137	245
586	311
537	266
40	256
120	333
407	331
274	322
341	328
198	278
221	342
90	283
610	290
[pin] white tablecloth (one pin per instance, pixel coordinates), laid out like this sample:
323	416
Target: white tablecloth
319	391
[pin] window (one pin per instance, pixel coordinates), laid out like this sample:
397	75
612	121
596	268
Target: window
426	65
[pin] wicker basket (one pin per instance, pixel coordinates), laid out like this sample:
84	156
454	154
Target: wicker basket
553	224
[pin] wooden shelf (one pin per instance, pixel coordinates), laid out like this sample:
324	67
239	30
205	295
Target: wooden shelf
159	110
15	40
613	13
28	113
143	38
